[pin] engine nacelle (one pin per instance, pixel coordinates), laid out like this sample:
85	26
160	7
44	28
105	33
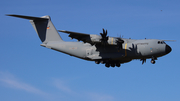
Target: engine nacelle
95	38
111	40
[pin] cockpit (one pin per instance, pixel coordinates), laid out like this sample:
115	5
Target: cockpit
161	42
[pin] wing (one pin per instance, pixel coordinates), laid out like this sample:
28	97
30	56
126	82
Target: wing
79	36
101	39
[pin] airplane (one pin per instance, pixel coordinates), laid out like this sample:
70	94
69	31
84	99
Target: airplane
111	51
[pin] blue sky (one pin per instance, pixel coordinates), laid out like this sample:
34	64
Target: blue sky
29	72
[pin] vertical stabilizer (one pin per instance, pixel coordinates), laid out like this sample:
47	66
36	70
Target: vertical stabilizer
44	28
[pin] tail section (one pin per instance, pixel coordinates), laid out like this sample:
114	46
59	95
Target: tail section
44	28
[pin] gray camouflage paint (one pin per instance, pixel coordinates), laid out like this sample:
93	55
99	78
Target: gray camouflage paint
131	49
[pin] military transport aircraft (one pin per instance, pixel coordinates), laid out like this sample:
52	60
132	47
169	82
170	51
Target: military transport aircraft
111	51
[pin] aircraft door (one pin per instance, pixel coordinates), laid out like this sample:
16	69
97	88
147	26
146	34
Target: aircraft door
142	48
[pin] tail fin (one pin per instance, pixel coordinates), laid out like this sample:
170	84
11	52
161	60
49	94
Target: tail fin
44	28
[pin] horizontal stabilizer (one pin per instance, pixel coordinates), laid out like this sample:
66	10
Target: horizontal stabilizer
76	33
27	17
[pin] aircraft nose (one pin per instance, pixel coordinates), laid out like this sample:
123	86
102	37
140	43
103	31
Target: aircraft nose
168	49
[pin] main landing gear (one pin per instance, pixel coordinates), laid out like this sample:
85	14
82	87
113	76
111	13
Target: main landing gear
112	65
109	64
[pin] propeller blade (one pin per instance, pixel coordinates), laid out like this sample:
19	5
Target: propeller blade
103	31
106	32
143	61
104	36
119	42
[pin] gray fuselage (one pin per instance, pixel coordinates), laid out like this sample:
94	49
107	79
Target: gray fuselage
132	49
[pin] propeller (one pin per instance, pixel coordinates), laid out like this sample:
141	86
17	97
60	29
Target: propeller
119	42
143	61
104	36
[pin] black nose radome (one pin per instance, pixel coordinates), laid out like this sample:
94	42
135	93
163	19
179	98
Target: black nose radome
168	49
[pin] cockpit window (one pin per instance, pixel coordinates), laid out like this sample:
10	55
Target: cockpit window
161	42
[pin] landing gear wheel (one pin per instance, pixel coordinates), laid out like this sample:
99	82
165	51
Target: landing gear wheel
153	61
112	65
107	65
102	62
97	62
118	64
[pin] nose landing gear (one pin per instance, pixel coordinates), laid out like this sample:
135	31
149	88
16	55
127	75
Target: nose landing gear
153	60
